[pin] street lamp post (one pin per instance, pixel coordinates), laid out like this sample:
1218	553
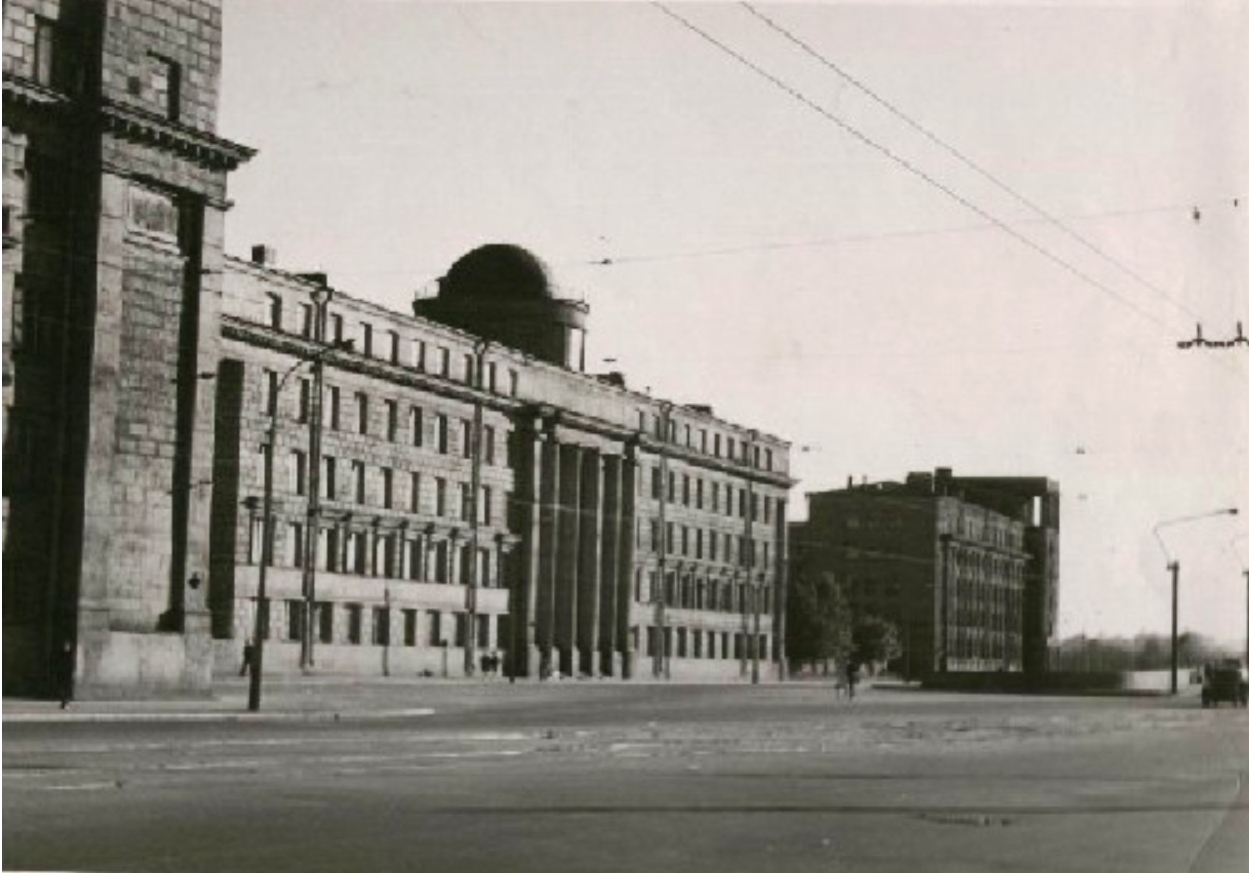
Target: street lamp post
1174	566
752	583
470	648
659	595
261	624
320	300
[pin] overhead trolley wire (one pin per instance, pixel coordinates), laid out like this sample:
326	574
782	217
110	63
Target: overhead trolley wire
902	162
964	159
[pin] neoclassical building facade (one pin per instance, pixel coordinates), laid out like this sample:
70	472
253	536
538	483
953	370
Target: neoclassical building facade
428	493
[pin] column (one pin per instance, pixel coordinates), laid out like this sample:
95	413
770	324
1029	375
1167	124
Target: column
609	566
625	553
548	535
568	543
589	561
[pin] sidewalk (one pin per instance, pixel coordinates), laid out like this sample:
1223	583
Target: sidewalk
306	698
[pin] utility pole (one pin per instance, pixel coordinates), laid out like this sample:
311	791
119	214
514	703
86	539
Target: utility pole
1174	567
320	301
660	594
470	648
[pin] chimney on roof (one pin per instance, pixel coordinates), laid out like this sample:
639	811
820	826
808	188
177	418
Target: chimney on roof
264	256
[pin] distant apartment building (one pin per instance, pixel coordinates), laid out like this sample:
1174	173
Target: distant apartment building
965	567
458	486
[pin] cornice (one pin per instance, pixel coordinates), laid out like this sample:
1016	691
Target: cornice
26	92
202	148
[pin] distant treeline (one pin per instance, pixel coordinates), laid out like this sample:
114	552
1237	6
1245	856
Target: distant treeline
1141	652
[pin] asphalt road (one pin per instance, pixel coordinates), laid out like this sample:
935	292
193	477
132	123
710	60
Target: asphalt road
582	777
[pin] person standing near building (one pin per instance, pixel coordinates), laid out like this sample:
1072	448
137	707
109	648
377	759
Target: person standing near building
65	672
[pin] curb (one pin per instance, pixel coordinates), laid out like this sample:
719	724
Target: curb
64	717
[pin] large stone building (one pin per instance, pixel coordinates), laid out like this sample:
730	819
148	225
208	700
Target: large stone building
443	485
965	567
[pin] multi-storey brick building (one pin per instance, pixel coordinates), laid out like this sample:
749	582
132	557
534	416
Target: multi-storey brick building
473	491
966	568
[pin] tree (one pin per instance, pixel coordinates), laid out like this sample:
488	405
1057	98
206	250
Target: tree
875	640
818	620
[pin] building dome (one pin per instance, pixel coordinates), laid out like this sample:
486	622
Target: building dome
496	272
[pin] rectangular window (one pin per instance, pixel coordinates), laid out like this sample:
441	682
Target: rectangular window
466	437
685	541
329	488
275	311
466	507
698	493
354	621
444	362
393	352
418	354
362	412
741	503
336	408
670	536
435	627
767	459
513	383
298	472
392	420
715	496
442	562
468	369
483	564
487	511
416	557
255	540
271	392
414	492
336	328
366	339
417	421
325	622
657	483
164	77
685	490
730	449
381	626
295	545
388	488
672	487
294	619
492	377
45	51
409	627
357	481
442	433
487	434
483	631
698	543
712	544
305	400
305	319
767	510
656	535
440	496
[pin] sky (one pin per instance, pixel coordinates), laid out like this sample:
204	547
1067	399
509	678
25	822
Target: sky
754	231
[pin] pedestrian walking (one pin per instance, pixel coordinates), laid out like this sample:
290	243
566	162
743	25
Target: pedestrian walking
249	657
65	673
852	677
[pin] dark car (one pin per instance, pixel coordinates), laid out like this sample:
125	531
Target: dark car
1224	681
